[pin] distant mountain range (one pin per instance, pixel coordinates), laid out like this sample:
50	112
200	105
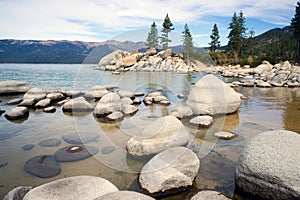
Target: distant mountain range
36	51
51	51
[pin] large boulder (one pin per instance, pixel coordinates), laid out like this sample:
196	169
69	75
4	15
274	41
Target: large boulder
35	93
17	193
17	113
269	166
77	105
160	135
211	96
171	169
124	195
108	104
110	61
78	187
13	87
96	92
264	67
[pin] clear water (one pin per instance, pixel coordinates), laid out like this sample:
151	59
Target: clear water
265	109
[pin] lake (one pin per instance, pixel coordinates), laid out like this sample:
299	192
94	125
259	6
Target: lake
265	109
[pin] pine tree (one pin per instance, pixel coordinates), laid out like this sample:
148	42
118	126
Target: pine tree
187	43
251	33
166	29
152	39
295	27
215	43
237	35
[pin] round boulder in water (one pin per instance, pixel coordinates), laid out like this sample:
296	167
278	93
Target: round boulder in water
43	166
75	153
50	143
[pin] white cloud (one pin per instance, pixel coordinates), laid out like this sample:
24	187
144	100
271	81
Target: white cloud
93	20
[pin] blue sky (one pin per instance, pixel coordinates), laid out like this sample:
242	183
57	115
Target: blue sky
100	20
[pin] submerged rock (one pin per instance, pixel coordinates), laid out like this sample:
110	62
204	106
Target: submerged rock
50	143
160	135
211	96
269	166
171	169
124	195
17	193
108	149
17	113
75	153
80	138
27	147
43	166
77	187
13	87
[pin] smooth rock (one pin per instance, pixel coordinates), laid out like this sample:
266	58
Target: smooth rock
211	96
77	187
73	93
181	111
124	195
55	96
139	94
50	109
43	103
180	96
125	93
224	135
126	101
14	101
171	169
269	166
209	195
50	143
96	92
29	103
160	135
43	166
264	67
17	113
75	153
35	93
262	84
17	193
83	138
202	121
2	111
112	58
165	102
77	105
108	104
115	116
136	101
129	110
13	87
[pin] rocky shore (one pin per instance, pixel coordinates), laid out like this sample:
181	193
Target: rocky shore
150	61
173	166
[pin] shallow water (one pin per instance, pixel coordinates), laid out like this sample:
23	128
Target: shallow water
265	109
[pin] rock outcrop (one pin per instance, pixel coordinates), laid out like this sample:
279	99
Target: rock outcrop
162	134
211	96
269	166
149	61
171	169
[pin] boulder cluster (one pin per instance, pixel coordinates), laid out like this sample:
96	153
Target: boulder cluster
150	61
283	74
